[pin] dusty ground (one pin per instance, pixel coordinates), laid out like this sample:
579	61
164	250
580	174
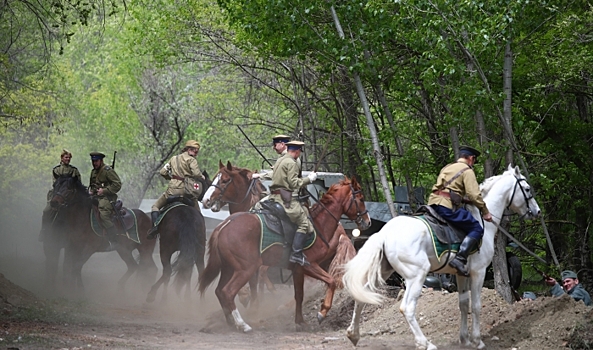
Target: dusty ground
106	321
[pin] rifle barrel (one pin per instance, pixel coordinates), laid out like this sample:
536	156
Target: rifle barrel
252	145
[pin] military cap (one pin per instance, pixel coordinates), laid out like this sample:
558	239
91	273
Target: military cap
529	295
192	143
280	138
568	274
295	145
470	151
97	155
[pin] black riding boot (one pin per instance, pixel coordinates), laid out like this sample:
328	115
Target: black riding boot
153	230
298	244
460	260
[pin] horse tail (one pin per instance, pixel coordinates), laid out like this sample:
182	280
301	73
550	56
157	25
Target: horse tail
363	275
344	253
214	264
192	238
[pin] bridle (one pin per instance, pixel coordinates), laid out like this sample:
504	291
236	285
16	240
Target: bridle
353	200
527	198
66	196
222	190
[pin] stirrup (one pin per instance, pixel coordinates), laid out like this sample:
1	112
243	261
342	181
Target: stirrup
152	233
460	267
299	259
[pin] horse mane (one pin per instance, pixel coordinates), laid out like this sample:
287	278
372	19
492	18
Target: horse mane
259	189
327	197
487	185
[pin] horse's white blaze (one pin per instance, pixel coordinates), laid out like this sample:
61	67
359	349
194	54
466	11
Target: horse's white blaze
206	198
405	243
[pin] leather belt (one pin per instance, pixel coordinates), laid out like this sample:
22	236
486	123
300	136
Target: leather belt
276	192
442	194
177	177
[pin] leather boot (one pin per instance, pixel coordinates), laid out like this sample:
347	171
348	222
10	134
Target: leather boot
460	260
298	244
153	230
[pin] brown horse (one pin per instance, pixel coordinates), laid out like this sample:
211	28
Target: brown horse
234	251
74	206
241	195
182	229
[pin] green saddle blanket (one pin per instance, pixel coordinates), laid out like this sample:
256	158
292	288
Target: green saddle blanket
166	209
270	238
441	248
132	233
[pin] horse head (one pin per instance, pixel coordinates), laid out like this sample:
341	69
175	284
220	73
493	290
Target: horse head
349	194
515	191
232	185
67	190
522	201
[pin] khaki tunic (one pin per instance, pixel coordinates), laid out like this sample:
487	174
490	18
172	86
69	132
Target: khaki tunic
465	185
107	179
60	170
286	176
182	165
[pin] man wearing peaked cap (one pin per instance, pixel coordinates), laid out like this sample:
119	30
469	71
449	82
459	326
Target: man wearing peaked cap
62	169
456	181
279	143
570	286
286	182
104	185
185	180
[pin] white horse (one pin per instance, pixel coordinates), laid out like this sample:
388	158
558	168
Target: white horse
405	245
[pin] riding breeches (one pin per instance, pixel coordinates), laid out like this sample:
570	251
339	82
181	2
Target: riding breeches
296	213
461	219
105	211
162	200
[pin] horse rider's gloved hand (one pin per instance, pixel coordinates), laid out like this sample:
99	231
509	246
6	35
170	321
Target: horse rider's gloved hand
255	176
312	176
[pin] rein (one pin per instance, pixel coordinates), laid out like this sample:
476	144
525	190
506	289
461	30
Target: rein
223	190
518	183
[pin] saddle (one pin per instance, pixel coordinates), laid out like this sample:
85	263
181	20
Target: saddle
127	218
444	232
275	219
175	199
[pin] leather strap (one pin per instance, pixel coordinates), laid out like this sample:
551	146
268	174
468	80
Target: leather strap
177	177
442	193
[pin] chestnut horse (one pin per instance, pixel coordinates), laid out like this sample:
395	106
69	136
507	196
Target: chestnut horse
182	229
240	197
73	202
234	251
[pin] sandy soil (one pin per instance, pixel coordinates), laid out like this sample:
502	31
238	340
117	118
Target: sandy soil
104	320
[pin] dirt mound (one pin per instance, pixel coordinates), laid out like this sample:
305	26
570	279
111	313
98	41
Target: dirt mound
545	323
12	296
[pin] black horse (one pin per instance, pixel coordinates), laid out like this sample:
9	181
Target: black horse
182	229
73	231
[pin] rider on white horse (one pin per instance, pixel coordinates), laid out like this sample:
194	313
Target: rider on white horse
455	182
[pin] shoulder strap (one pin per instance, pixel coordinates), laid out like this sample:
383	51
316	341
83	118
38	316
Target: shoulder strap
455	176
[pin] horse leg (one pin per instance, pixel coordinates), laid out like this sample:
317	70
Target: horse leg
264	279
254	300
317	272
229	291
128	258
225	276
166	261
52	258
476	286
408	308
353	331
463	291
298	278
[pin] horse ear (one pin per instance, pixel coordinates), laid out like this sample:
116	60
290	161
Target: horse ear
510	167
220	165
517	171
229	166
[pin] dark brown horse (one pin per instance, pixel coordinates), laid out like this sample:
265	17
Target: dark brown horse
74	204
182	229
234	251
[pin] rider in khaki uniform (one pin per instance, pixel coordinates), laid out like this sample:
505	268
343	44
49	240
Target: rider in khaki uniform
179	167
279	144
62	169
285	185
456	181
104	184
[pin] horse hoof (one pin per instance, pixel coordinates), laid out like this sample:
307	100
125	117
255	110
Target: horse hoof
320	317
301	327
481	345
353	338
150	298
247	329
